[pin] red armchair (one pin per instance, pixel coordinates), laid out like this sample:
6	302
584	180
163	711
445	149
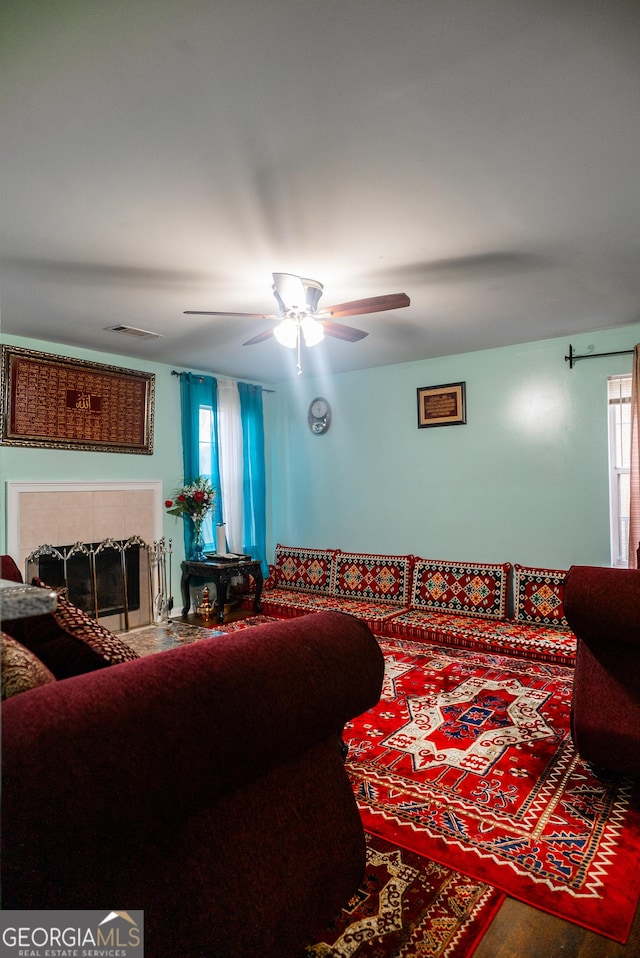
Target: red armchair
602	607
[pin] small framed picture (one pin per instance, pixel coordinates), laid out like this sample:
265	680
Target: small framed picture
441	405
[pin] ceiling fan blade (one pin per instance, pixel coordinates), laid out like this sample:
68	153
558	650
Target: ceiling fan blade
260	338
293	293
208	312
375	304
349	333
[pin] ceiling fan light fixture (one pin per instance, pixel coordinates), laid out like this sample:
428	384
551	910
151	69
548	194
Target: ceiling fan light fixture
300	318
312	291
286	332
289	292
312	331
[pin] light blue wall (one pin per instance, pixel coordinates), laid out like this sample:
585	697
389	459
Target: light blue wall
525	480
55	465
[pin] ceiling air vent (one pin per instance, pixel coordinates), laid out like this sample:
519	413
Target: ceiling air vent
133	331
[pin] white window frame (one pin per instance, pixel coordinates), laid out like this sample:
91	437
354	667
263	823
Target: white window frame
205	452
618	397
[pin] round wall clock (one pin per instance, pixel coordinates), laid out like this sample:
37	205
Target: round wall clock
319	415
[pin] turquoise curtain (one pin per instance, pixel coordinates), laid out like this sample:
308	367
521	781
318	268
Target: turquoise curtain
254	491
196	392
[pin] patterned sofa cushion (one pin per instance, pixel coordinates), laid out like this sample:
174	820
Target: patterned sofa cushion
477	590
286	604
539	595
69	642
305	570
376	578
21	669
506	637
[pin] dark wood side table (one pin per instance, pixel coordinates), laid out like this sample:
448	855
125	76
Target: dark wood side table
221	573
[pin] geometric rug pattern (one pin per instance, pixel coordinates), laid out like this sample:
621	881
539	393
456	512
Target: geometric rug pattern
468	761
408	906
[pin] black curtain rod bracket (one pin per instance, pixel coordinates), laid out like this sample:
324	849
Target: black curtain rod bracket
572	359
199	378
174	372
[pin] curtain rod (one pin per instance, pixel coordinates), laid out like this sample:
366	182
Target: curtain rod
572	359
174	372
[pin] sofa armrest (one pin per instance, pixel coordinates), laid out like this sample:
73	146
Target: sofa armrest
122	754
602	605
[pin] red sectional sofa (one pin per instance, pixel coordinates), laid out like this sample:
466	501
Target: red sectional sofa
493	607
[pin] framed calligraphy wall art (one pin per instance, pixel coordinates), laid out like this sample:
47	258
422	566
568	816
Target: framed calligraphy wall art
441	405
58	402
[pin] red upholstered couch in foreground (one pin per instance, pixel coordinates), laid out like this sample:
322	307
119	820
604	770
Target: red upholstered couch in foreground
603	607
204	785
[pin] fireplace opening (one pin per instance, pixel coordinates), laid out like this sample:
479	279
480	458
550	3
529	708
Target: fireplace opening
95	578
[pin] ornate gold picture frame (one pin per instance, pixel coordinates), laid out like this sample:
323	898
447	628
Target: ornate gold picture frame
58	402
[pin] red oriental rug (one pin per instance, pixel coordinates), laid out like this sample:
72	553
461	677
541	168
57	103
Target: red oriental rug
467	759
407	905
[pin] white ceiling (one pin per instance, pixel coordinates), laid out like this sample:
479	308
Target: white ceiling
160	155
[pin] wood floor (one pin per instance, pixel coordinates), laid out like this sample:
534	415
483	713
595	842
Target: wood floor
519	931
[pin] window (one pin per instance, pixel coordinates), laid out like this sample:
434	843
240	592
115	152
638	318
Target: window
619	399
223	440
206	448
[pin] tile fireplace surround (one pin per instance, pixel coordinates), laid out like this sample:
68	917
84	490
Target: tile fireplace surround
61	513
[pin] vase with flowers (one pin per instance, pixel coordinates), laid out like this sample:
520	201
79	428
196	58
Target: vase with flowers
194	501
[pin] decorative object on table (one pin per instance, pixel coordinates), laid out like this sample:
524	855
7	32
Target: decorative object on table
442	405
194	501
234	557
221	538
206	608
319	415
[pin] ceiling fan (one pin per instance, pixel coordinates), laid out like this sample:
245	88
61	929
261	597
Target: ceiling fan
300	318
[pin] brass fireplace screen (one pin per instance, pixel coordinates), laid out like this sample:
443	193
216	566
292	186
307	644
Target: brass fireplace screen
115	577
